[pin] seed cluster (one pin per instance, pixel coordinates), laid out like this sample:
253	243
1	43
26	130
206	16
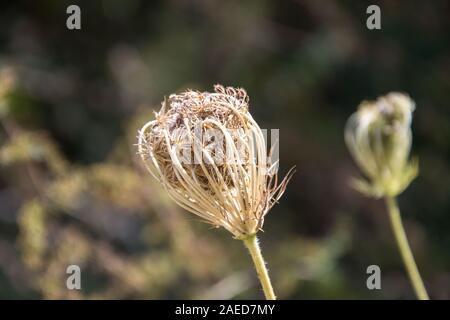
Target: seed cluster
211	156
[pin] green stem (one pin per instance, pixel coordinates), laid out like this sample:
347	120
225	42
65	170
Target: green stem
255	251
405	250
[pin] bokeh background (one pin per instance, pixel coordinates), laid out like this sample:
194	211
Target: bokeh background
72	190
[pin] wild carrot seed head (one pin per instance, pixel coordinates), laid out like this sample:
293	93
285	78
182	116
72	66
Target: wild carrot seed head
379	138
211	157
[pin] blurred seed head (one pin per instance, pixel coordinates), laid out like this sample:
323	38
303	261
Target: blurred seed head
211	157
378	136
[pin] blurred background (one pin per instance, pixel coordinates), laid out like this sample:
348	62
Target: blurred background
72	190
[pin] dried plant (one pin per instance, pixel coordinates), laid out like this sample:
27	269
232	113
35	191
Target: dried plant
379	138
211	157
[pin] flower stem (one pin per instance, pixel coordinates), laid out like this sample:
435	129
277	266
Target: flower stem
255	251
405	250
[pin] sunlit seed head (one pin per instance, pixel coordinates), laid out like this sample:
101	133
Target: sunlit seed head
211	157
379	138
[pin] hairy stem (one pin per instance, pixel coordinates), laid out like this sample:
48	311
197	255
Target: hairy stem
255	251
405	250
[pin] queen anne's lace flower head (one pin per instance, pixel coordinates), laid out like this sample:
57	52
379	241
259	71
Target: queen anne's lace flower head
211	157
378	136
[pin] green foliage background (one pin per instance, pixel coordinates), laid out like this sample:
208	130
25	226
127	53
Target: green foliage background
72	190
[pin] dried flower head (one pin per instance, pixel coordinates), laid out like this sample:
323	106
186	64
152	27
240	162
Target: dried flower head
211	157
379	138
